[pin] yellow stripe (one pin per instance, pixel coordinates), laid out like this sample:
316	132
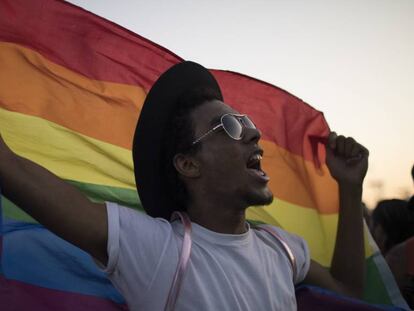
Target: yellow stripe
67	154
73	156
319	230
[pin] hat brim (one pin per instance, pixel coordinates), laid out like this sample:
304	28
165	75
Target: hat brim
159	107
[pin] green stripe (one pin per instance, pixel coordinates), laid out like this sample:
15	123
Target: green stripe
11	211
96	193
99	193
375	290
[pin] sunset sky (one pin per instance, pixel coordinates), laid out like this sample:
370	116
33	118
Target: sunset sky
352	60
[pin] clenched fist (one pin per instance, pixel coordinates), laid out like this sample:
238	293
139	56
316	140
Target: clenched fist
346	159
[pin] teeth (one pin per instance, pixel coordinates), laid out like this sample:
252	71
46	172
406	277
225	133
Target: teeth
257	157
254	162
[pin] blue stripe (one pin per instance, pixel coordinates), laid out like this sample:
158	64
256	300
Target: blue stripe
34	255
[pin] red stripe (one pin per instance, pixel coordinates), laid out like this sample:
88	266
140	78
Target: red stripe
283	118
65	34
16	295
102	50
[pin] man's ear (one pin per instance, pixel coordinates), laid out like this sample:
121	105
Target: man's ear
186	165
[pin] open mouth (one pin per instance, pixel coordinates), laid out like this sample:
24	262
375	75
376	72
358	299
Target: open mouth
254	162
254	165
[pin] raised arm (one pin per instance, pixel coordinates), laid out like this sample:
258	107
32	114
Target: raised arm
348	163
54	203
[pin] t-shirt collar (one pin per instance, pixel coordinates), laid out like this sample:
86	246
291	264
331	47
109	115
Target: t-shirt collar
200	233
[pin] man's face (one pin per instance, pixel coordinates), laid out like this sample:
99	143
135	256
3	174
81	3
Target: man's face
229	169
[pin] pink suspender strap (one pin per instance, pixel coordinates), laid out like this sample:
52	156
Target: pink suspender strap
285	246
186	251
183	261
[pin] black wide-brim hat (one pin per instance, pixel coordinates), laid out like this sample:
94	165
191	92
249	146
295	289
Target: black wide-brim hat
150	134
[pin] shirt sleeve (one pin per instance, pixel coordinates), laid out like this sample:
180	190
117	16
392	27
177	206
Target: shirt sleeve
300	250
113	237
136	244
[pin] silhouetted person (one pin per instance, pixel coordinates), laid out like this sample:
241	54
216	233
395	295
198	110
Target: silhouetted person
392	223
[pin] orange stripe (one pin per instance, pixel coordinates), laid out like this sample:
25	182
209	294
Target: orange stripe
35	86
108	112
298	181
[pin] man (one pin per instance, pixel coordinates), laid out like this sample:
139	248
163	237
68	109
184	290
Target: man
187	137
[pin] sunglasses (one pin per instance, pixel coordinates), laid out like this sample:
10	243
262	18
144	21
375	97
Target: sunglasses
232	124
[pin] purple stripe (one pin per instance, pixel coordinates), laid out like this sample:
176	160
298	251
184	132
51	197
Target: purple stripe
34	255
15	295
311	298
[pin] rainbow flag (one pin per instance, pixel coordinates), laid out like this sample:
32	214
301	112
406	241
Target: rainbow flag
71	88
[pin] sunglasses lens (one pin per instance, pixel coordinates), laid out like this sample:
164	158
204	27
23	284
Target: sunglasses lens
232	126
248	123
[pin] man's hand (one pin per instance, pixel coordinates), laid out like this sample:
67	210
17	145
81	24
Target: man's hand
347	160
348	163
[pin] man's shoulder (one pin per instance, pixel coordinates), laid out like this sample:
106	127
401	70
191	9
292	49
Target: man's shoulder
134	218
297	249
282	233
294	242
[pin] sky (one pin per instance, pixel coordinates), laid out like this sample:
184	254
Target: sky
353	60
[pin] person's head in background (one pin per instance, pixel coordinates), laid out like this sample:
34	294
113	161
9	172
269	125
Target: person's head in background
412	173
411	200
392	223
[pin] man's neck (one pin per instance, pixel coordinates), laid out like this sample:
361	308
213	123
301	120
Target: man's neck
219	218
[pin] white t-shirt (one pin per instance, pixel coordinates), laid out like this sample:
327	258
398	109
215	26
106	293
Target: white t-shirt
248	271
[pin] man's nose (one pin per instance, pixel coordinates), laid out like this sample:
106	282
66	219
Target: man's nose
252	135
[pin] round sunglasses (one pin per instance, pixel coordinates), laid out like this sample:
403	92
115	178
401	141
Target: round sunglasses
232	124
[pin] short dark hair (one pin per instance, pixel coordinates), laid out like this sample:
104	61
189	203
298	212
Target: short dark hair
178	139
412	172
397	220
